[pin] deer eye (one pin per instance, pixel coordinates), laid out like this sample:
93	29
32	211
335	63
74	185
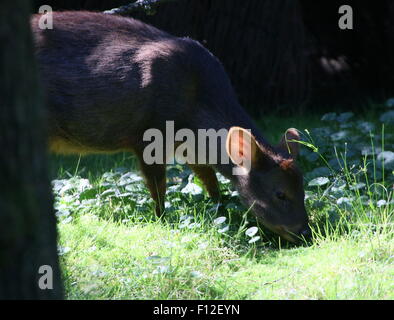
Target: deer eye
280	195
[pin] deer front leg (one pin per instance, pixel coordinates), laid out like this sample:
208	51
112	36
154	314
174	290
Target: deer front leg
155	180
208	177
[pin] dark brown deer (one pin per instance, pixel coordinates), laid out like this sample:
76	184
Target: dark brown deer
109	79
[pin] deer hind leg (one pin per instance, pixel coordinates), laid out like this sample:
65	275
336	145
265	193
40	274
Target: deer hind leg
208	177
155	180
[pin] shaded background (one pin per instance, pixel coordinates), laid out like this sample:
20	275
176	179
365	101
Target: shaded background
284	55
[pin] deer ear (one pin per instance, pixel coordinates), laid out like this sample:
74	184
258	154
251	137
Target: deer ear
288	142
241	147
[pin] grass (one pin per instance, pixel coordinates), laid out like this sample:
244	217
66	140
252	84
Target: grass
113	247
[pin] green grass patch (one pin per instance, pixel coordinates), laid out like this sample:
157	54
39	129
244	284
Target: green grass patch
112	246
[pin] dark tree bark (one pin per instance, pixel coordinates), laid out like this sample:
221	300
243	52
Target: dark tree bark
261	43
290	54
285	55
27	220
353	65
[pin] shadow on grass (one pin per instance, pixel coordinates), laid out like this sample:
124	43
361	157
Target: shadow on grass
89	166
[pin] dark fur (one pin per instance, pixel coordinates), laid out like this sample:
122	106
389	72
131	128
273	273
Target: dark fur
122	76
110	78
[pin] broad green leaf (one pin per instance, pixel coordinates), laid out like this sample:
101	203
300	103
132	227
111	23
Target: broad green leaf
320	181
251	231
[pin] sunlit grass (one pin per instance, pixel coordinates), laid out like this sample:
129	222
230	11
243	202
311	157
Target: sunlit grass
154	261
112	245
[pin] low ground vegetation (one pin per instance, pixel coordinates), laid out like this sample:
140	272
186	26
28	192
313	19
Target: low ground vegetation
112	246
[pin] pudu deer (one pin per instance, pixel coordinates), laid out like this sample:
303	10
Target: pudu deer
108	79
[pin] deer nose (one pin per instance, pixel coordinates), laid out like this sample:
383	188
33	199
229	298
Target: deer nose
306	232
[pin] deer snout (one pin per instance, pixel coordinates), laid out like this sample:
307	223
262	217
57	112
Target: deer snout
302	233
294	234
306	232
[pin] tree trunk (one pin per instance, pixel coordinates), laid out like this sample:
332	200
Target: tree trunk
27	220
